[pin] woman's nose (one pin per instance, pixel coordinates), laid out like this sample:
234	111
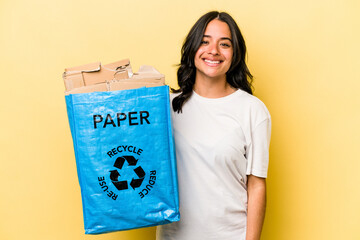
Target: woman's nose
213	49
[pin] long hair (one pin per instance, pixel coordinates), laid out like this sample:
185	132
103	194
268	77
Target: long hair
238	75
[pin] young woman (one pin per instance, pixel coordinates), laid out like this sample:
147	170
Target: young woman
222	136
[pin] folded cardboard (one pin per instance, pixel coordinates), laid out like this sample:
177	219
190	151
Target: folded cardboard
100	87
95	73
95	77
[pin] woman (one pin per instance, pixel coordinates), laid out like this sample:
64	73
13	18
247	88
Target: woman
222	135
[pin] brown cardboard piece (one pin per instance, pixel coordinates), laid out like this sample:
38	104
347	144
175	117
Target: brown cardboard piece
95	77
100	87
95	73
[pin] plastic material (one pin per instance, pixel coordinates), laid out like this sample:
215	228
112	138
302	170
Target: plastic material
125	158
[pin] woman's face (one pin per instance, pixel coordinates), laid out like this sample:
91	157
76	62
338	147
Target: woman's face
214	56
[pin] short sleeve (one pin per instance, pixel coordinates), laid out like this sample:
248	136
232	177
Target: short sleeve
257	153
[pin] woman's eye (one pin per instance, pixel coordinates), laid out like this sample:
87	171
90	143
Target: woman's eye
203	42
227	45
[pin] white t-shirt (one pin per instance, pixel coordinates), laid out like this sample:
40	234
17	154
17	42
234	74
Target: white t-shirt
218	143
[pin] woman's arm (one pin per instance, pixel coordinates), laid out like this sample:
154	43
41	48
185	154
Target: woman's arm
256	206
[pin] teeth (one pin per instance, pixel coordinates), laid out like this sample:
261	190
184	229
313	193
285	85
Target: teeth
209	61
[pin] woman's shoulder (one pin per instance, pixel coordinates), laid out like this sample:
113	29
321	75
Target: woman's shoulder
252	104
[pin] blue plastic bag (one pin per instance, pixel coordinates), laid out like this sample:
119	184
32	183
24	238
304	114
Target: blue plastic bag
125	158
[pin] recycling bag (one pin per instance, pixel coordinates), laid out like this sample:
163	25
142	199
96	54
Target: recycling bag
125	158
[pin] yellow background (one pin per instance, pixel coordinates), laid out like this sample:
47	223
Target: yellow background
305	59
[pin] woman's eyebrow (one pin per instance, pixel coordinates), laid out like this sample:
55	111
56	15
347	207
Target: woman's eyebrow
223	38
226	38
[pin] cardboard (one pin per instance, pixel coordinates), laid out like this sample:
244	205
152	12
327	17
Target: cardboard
94	73
95	77
100	87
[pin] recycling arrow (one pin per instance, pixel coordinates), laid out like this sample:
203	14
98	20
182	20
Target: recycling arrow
121	160
131	160
135	183
139	172
114	174
120	185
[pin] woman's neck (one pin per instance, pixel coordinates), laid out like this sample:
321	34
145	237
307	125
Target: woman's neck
212	88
